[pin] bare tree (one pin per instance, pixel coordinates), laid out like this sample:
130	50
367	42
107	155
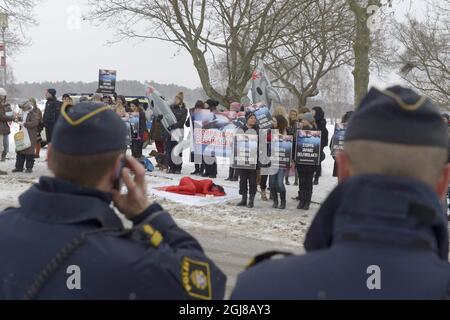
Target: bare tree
241	31
323	43
425	55
20	17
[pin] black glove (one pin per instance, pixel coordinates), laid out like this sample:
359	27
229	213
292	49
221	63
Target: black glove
160	117
170	128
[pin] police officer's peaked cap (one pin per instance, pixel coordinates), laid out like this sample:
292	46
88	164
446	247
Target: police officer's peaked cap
398	115
89	128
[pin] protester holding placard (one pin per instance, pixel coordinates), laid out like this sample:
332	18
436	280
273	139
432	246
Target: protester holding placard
337	141
247	177
276	181
307	168
291	130
321	122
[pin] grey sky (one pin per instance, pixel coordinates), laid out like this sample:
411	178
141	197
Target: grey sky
62	52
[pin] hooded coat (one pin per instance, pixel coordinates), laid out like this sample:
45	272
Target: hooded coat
322	126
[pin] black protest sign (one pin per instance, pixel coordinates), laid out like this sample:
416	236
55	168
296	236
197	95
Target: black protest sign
281	150
245	151
308	147
338	138
107	81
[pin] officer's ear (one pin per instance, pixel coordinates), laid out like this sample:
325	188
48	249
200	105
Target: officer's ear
343	166
444	180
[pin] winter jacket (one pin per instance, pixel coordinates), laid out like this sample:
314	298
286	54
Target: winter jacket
180	112
4	119
31	123
370	225
155	260
51	112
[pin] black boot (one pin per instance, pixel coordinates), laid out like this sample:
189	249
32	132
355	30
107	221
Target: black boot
243	202
316	180
230	174
283	201
308	196
251	202
301	202
274	196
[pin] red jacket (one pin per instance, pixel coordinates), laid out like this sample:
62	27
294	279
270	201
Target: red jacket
189	186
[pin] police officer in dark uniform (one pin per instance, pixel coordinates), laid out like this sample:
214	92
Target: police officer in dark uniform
382	233
66	242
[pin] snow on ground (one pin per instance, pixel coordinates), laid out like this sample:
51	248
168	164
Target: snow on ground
286	227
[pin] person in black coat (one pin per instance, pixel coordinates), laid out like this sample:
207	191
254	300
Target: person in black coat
51	113
321	122
306	172
247	177
180	112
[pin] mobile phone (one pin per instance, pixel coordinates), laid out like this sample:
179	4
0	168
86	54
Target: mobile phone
118	177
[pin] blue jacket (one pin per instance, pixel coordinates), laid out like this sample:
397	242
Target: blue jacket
395	224
40	241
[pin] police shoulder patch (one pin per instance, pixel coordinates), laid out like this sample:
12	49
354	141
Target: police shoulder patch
196	278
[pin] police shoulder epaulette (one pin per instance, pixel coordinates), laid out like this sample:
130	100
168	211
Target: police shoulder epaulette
144	233
267	256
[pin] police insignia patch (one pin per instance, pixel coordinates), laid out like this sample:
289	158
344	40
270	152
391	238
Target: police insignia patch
196	278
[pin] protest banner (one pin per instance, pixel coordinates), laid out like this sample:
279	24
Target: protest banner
307	150
337	143
107	81
213	133
245	151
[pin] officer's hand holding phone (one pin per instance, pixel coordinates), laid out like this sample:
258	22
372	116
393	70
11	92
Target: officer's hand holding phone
135	201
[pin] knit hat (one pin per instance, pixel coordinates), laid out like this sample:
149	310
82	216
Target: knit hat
308	117
52	92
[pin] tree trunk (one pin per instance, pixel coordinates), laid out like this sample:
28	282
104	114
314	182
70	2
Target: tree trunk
361	48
